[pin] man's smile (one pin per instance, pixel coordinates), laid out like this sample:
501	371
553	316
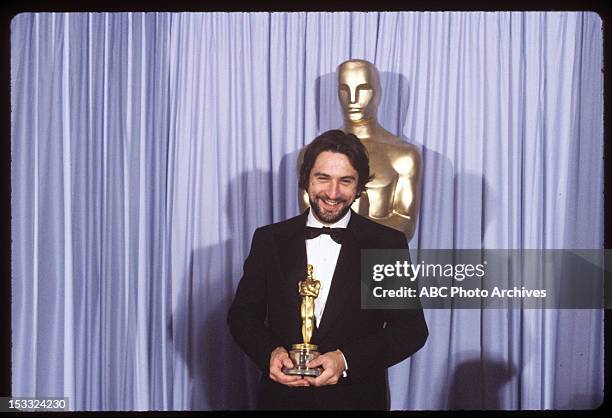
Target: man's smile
332	203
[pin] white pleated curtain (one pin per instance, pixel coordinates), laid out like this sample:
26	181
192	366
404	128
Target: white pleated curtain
147	147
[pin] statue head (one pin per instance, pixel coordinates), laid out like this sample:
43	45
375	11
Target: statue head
359	90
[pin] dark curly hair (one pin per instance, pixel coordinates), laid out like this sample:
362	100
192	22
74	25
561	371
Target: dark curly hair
343	143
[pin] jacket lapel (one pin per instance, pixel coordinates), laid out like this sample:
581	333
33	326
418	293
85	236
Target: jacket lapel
293	258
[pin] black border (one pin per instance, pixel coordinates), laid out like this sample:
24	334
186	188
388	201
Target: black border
13	8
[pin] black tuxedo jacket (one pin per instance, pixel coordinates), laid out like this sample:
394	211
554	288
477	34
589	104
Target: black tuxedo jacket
265	314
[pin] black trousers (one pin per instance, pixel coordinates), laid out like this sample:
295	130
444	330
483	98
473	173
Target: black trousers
342	396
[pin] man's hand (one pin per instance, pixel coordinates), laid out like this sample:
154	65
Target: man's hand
333	366
278	359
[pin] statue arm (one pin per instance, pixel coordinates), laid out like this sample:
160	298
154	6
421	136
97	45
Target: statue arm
303	201
406	197
399	222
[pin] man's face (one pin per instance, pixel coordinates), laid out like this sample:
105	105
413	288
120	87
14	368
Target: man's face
357	92
332	186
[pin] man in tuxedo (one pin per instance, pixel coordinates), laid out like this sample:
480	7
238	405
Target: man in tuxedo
356	345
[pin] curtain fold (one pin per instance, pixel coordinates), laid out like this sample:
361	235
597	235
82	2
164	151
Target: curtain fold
147	148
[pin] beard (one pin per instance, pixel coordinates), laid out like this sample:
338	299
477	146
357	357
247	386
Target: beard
329	216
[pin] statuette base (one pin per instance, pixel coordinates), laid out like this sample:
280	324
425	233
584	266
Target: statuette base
300	355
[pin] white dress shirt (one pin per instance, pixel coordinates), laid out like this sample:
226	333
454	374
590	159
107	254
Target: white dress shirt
322	252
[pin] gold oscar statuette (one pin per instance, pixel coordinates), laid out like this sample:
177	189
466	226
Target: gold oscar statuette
302	353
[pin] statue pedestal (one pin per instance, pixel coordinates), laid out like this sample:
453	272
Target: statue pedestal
300	355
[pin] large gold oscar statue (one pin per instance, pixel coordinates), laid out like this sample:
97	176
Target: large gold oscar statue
392	197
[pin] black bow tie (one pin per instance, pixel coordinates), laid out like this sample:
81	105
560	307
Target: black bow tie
337	234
